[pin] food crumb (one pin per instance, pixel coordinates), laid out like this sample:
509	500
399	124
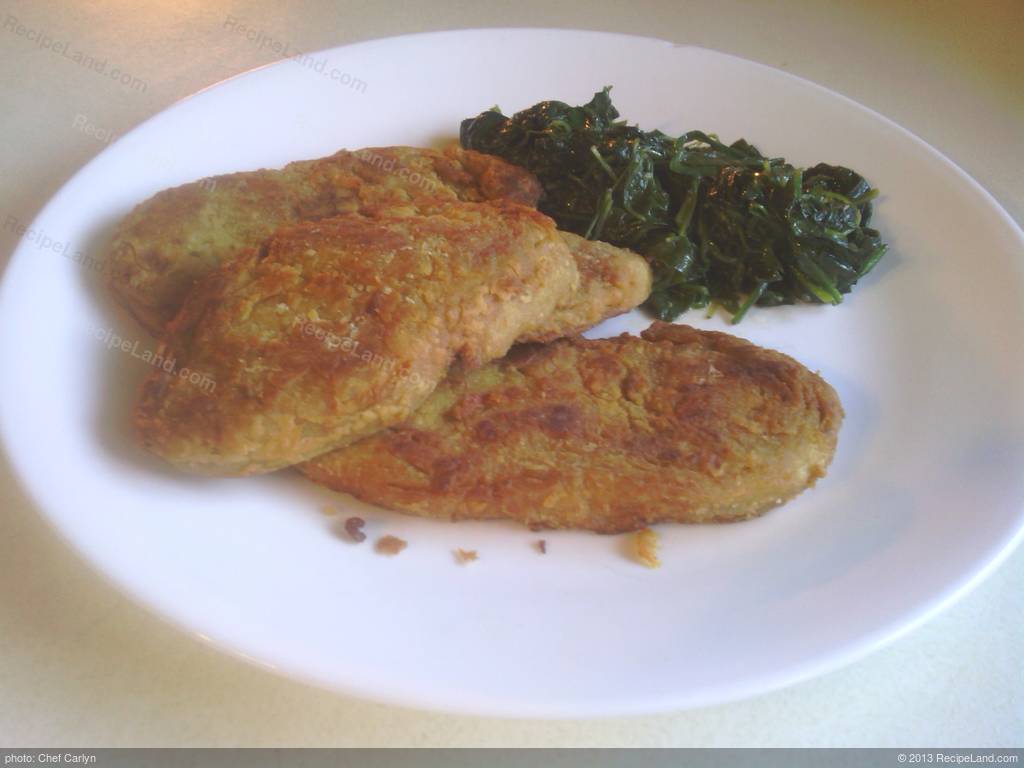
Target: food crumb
646	546
353	527
542	546
389	545
328	511
463	556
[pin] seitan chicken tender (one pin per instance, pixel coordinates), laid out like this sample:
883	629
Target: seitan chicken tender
177	236
333	330
612	281
610	435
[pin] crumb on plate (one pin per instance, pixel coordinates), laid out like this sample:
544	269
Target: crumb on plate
463	556
542	546
353	527
390	545
646	546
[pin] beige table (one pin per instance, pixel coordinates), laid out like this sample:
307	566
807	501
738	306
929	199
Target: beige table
79	664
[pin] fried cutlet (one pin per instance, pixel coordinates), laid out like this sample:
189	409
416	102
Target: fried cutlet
612	281
171	240
335	329
609	435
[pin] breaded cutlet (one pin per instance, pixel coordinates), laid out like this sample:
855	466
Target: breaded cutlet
612	281
168	242
609	435
335	329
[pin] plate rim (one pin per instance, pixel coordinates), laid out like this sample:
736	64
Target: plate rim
791	675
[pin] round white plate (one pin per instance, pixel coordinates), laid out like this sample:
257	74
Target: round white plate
925	496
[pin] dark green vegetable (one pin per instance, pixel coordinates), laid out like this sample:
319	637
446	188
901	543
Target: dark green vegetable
717	223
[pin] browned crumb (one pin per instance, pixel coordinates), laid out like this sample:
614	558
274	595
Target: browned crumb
390	545
463	556
542	546
645	543
353	527
328	511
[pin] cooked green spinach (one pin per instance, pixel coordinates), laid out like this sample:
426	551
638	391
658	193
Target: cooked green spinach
718	223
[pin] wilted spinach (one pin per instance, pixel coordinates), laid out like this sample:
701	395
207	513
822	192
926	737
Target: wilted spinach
717	223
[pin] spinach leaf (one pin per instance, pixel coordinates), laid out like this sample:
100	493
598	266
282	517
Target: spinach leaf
718	223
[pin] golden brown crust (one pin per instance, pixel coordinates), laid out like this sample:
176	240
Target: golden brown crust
612	281
179	235
335	329
610	435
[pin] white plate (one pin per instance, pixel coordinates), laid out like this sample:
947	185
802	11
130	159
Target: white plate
926	493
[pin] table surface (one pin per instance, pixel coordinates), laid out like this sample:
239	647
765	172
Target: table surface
82	665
